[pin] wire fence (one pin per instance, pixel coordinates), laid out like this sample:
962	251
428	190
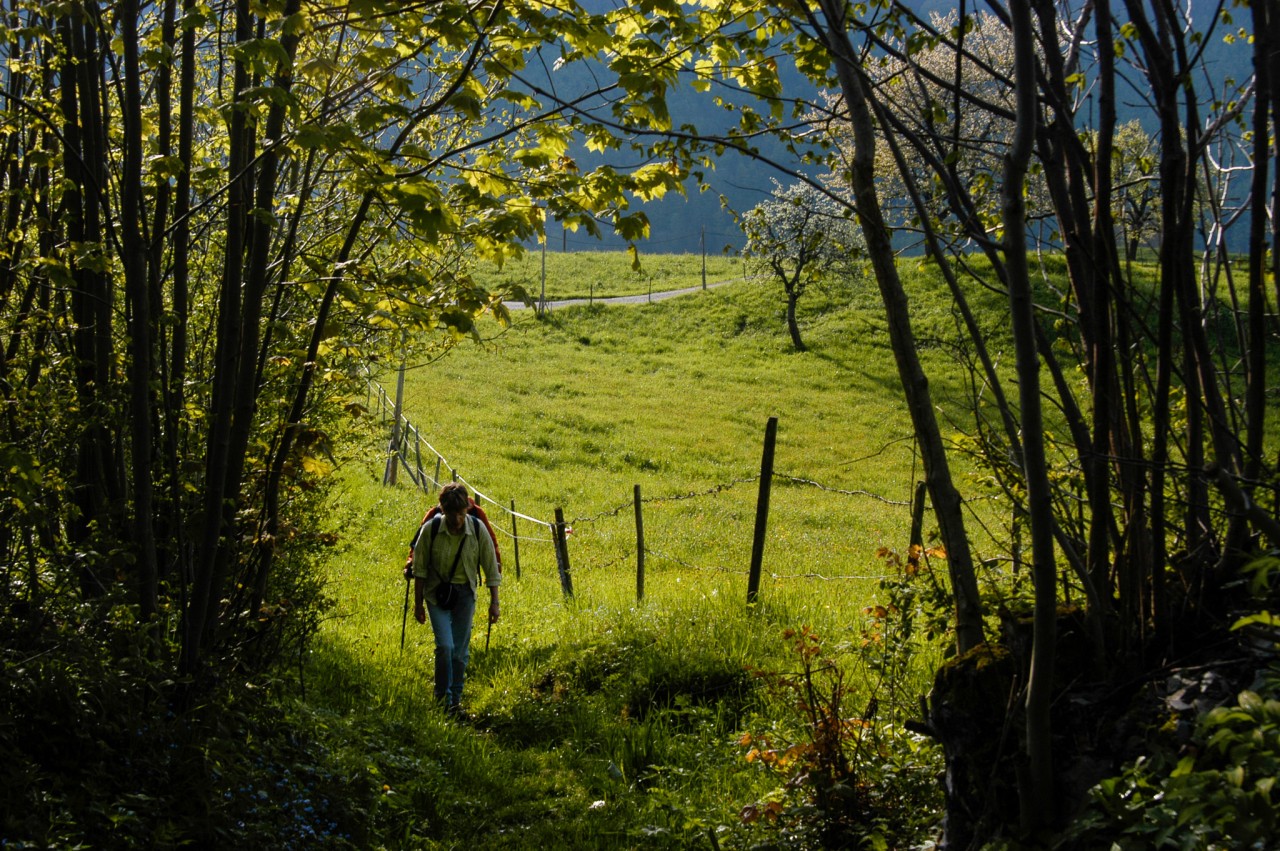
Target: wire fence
405	451
429	470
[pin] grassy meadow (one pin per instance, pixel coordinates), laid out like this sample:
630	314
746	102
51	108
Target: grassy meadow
579	274
603	721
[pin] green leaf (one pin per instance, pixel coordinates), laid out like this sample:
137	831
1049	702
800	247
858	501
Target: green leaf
262	55
166	167
317	466
318	69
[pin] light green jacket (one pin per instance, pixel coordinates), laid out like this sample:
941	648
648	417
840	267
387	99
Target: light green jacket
477	556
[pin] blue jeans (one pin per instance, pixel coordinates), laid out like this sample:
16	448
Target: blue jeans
452	629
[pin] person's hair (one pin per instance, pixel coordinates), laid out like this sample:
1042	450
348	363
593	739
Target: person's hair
453	497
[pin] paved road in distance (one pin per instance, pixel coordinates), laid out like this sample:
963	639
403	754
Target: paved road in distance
624	299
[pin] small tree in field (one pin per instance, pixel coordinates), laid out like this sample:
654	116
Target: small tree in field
800	236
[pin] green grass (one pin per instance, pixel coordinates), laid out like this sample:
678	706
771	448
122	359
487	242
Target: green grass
603	721
606	275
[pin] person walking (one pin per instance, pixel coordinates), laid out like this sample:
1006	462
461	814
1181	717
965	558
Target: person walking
452	552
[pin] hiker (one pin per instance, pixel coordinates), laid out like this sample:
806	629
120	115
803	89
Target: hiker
451	552
474	509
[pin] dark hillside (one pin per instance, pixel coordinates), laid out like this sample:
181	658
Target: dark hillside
681	224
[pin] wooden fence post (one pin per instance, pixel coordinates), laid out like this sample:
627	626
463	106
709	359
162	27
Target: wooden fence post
542	302
436	480
417	457
562	554
515	537
917	526
389	476
762	510
639	548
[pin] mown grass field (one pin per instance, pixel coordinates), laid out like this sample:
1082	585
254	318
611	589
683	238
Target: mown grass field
574	275
603	721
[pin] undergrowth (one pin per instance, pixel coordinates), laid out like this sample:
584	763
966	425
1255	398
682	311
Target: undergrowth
1216	789
102	750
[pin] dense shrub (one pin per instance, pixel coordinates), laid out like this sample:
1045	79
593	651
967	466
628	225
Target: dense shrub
1219	793
99	751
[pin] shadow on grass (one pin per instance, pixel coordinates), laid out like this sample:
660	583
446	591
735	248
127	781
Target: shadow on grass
563	747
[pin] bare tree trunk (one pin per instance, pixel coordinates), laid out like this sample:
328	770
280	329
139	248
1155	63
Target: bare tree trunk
221	483
1264	93
946	499
1072	179
275	471
1207	425
165	462
793	326
261	224
1108	434
1270	21
1039	800
270	527
98	484
175	397
138	303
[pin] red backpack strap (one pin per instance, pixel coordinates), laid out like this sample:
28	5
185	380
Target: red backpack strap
477	512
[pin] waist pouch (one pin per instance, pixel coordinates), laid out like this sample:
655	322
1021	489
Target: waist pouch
449	593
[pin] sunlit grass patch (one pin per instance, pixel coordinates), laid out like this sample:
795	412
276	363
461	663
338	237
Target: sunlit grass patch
602	719
586	274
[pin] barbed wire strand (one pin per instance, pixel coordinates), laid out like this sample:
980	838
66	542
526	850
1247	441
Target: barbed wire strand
686	565
410	427
613	512
800	481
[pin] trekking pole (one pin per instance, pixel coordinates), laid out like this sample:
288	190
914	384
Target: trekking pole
488	632
404	622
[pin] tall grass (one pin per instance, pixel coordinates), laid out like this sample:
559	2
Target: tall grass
603	720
